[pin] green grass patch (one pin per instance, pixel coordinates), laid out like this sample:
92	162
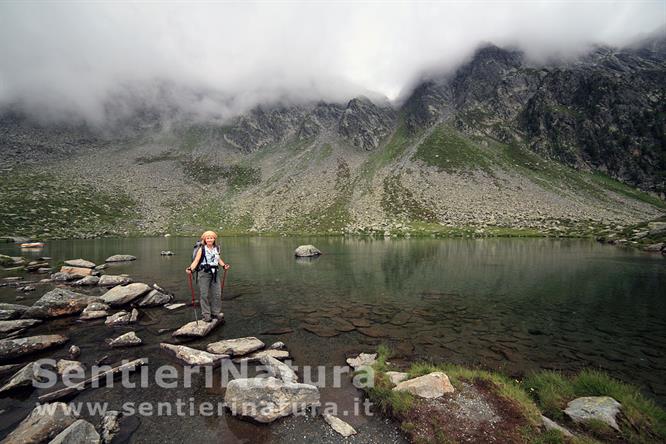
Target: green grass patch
620	188
448	150
45	206
645	421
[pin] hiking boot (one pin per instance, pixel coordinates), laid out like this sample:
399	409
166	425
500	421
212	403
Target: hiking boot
207	319
219	316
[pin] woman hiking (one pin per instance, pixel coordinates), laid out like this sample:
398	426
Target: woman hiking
208	261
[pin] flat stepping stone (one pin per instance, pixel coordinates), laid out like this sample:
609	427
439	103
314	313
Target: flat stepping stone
601	408
78	271
192	356
122	295
120	258
25	377
81	263
110	280
236	347
197	329
42	424
80	432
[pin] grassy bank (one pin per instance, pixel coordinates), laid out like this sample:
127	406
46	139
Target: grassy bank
517	407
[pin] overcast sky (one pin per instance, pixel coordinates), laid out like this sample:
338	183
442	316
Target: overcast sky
63	58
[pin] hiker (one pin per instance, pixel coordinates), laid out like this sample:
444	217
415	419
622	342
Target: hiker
208	260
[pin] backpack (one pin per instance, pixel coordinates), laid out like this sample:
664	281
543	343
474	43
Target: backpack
199	245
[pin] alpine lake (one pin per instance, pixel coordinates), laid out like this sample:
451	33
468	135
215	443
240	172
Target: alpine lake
510	305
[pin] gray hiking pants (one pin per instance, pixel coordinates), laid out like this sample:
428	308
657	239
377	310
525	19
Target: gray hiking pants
210	294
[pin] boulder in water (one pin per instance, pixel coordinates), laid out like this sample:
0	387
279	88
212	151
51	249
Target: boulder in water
87	281
267	399
124	294
306	251
25	377
12	311
256	356
59	302
278	369
155	298
110	280
198	329
18	324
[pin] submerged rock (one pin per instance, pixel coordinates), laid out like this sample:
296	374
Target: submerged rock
120	258
13	348
278	369
235	347
192	356
601	408
42	424
122	295
127	340
306	251
432	385
25	377
12	311
64	365
339	425
80	432
59	302
155	298
267	399
18	324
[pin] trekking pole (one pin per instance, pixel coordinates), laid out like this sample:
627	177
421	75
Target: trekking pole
194	307
224	277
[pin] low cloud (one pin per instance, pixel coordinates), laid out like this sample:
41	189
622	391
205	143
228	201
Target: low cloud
95	61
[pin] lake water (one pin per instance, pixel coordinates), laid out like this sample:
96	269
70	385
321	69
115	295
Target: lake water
514	305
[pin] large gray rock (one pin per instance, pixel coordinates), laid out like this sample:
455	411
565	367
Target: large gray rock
267	399
192	356
13	348
155	298
43	424
129	339
110	280
306	251
198	329
235	347
80	432
12	311
122	295
549	424
120	258
339	425
432	385
601	408
25	377
80	263
278	369
18	324
59	302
